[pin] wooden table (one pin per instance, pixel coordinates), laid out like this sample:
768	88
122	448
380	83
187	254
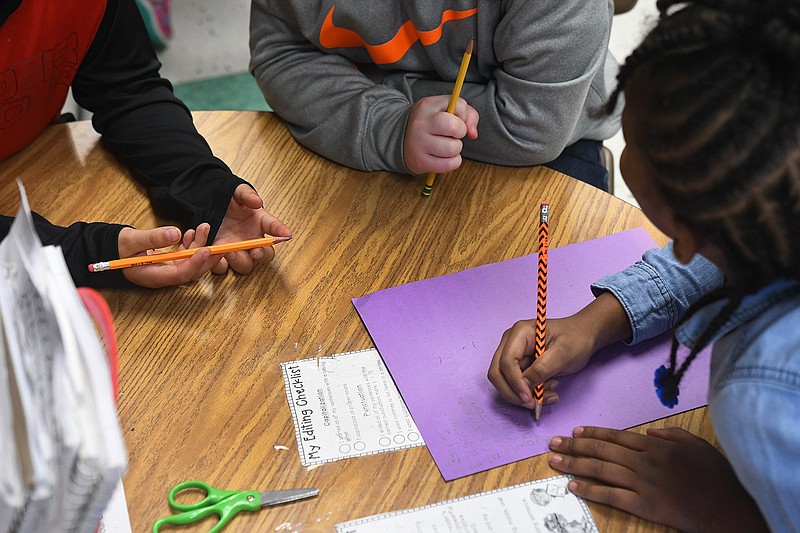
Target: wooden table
201	392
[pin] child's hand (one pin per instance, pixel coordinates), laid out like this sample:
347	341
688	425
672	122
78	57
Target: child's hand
137	242
668	476
570	344
247	219
433	136
513	371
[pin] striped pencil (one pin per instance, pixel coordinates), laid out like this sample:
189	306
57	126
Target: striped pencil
540	339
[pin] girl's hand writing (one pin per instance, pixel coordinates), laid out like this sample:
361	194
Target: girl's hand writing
570	344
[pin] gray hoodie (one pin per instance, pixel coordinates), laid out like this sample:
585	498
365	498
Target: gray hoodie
343	74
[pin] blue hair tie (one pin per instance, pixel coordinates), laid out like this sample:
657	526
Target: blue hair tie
666	386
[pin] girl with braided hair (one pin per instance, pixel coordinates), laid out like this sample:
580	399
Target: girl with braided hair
712	123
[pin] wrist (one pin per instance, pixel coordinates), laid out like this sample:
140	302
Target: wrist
605	321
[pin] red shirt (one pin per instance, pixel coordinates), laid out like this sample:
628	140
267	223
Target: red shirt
41	46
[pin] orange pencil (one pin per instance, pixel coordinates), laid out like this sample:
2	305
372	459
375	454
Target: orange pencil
540	336
451	107
216	249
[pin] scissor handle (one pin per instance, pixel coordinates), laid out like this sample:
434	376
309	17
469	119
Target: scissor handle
225	508
212	495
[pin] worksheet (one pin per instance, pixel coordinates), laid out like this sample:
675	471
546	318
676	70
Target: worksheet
535	507
346	405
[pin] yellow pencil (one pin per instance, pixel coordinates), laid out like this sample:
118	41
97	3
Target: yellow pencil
451	108
216	249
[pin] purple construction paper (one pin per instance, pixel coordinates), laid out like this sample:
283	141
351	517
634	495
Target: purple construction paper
437	338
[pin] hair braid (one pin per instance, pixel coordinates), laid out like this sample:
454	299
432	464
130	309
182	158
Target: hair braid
716	88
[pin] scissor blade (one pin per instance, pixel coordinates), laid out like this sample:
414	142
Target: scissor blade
275	497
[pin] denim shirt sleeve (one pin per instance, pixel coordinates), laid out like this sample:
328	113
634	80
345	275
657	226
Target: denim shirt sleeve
656	291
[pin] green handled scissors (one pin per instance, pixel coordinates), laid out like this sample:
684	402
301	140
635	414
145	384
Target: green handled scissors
225	503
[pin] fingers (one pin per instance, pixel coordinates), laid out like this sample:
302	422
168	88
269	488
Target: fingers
597	470
606	455
221	267
545	367
172	272
511	357
621	498
197	238
513	371
447	125
627	439
245	195
437	149
272	226
243	262
469	115
134	241
678	435
433	136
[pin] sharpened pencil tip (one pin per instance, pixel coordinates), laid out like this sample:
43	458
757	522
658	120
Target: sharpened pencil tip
469	47
537	410
282	239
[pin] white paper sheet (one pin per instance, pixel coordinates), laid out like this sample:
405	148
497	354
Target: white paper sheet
116	518
533	507
66	437
346	405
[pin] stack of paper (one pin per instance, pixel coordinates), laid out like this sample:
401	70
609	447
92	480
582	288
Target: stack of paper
61	449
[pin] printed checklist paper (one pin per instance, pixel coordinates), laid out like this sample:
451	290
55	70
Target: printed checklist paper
345	406
544	505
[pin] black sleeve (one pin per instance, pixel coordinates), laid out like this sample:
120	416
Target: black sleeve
81	244
146	127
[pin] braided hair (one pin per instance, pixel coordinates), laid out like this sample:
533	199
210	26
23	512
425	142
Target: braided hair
716	85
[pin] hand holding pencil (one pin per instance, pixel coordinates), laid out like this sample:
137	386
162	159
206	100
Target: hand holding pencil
171	268
451	108
515	368
435	129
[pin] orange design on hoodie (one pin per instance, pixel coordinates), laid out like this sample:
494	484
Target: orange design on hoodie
332	36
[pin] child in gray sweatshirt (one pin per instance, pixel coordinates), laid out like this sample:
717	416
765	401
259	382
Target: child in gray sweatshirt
367	83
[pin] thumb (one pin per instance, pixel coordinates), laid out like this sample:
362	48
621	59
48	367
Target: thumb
542	368
245	195
135	241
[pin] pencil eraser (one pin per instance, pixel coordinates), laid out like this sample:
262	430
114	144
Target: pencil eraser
91	268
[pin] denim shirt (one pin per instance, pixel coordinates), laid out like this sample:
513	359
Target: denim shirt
754	389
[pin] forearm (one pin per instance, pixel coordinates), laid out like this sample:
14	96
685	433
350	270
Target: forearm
656	291
328	104
605	322
535	87
184	181
81	243
515	128
147	127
